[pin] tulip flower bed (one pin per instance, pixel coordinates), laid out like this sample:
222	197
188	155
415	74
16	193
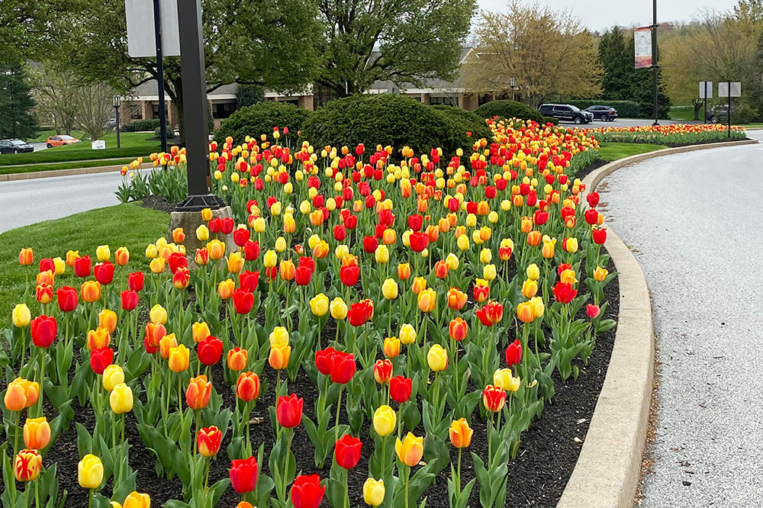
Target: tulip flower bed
383	332
670	135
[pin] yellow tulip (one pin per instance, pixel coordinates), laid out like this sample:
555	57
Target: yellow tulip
279	337
489	272
463	242
374	492
486	256
103	253
121	399
338	309
533	272
452	261
90	472
202	233
136	500
384	420
529	288
407	334
410	450
60	265
391	347
279	357
437	358
568	277
390	289
179	358
319	305
21	316
427	300
216	249
600	274
504	379
158	315
270	259
381	254
235	262
112	376
200	331
538	306
157	265
107	319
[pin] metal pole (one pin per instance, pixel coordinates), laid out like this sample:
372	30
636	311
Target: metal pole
654	62
729	115
118	143
704	120
160	76
195	108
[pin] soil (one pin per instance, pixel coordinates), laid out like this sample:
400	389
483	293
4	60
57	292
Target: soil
584	172
537	477
156	202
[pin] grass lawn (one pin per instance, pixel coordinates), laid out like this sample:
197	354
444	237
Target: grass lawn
33	168
685	113
127	225
615	151
134	144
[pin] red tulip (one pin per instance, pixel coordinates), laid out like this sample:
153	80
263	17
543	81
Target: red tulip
135	281
227	225
592	311
208	441
248	386
306	491
514	353
241	236
351	222
243	475
343	367
100	359
129	300
177	260
347	451
303	274
490	314
593	199
47	265
599	236
416	222
104	272
243	301
340	233
67	299
419	241
251	250
400	389
82	267
357	314
248	281
44	331
289	411
540	218
324	360
214	225
382	371
494	398
349	275
591	216
564	293
370	244
209	350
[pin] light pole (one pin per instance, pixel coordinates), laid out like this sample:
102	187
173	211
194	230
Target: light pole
116	101
512	84
654	61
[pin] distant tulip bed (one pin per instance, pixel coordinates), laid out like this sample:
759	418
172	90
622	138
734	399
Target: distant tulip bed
671	135
385	310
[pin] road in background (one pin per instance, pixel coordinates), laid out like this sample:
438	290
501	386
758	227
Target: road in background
691	221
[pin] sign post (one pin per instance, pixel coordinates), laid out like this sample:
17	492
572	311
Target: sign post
705	92
729	89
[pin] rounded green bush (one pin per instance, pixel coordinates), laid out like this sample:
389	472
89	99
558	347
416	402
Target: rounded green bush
260	119
551	119
509	109
387	120
462	122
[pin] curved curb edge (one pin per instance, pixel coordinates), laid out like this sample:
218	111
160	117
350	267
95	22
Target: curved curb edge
609	466
14	177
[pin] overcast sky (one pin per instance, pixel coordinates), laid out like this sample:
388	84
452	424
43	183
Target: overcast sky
602	14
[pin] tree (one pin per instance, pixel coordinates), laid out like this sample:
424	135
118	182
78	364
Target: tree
546	52
617	64
55	90
93	109
23	23
402	41
262	43
249	95
642	90
16	102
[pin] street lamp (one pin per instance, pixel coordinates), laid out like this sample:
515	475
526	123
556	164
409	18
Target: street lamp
115	101
512	84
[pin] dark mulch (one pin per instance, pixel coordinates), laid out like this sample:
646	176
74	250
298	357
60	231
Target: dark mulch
537	477
596	164
156	202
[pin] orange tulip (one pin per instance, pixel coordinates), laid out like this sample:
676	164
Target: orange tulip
248	386
98	338
198	392
36	433
91	291
26	257
456	299
237	359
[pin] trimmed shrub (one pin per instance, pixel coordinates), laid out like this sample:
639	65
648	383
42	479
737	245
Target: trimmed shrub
625	109
145	125
385	119
460	122
508	109
260	119
170	132
553	120
127	128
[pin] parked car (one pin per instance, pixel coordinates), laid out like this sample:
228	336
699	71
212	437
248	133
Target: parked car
566	113
61	140
15	146
603	113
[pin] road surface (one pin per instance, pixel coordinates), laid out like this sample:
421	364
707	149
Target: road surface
26	202
693	222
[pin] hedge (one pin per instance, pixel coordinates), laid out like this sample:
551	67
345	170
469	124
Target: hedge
385	119
625	109
260	119
509	109
146	125
551	119
461	122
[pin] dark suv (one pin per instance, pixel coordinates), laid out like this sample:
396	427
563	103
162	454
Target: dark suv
14	146
603	113
566	113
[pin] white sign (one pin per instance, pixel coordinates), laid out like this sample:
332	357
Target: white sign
705	89
98	145
642	41
736	89
141	36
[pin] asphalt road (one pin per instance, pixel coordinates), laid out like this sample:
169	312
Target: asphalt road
693	222
26	202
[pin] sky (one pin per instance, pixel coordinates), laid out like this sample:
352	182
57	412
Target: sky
599	15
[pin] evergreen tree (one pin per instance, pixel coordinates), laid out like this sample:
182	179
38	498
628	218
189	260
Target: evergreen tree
617	63
249	95
16	103
642	89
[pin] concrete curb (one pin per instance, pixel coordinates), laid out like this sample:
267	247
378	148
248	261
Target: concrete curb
609	466
62	172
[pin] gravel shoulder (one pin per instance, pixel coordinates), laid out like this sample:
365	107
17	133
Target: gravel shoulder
691	220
